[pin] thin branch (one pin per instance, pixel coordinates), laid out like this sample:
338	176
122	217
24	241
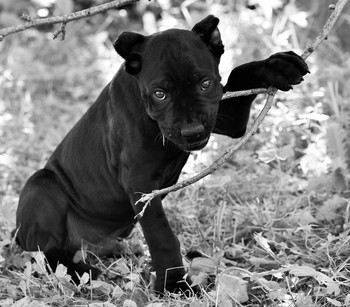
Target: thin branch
36	22
146	198
326	29
61	30
253	91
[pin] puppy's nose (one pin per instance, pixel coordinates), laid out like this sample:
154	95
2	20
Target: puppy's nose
193	132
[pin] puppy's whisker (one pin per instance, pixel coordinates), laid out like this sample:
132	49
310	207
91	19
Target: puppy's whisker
158	137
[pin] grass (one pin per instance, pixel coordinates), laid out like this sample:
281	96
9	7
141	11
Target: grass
294	256
268	234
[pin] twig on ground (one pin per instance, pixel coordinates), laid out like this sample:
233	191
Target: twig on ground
36	22
146	198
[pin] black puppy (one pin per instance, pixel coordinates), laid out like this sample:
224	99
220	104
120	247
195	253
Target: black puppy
164	102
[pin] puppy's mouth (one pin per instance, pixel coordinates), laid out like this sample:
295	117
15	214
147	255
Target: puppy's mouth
195	145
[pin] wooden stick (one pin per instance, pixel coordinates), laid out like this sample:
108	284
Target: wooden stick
253	91
146	198
36	22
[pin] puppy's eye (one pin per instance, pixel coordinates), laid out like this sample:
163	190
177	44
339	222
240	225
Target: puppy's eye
160	95
205	85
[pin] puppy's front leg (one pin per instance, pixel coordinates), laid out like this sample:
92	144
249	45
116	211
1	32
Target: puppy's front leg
164	247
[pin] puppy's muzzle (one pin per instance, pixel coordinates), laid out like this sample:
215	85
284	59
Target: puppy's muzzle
195	136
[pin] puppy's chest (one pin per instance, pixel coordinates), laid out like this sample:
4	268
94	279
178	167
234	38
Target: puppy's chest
168	172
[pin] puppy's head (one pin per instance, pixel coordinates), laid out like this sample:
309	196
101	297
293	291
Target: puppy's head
177	72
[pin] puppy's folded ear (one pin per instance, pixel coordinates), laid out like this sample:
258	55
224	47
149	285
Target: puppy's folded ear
129	46
207	29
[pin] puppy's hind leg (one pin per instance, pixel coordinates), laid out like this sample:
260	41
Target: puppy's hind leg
42	222
75	270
